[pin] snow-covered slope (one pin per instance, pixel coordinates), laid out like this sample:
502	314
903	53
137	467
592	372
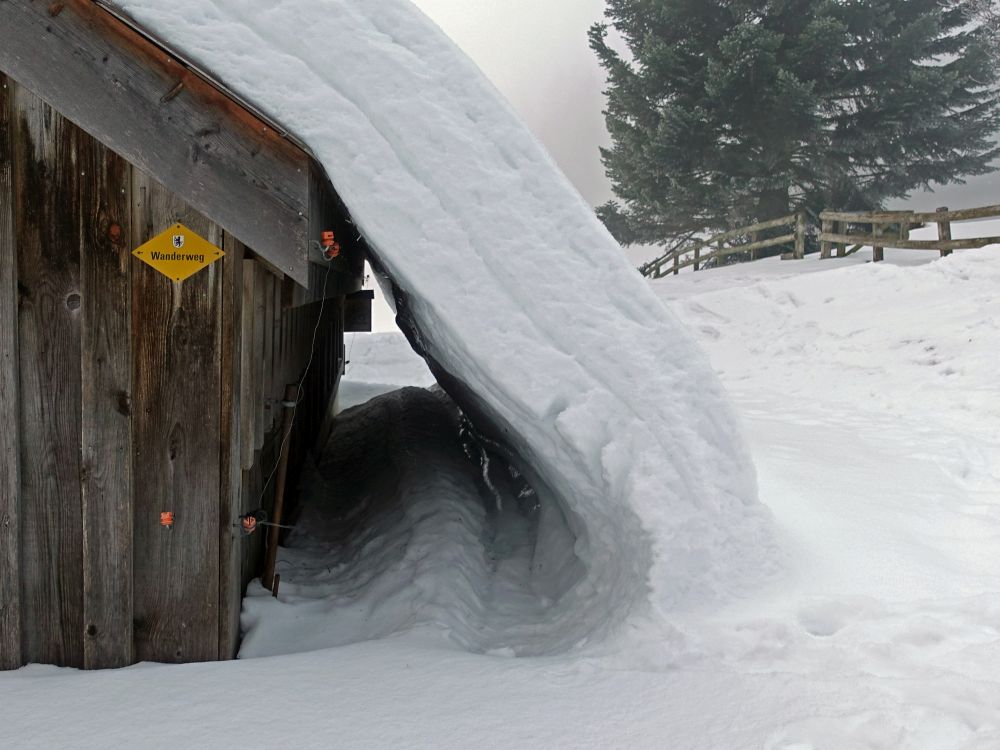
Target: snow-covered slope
871	404
524	306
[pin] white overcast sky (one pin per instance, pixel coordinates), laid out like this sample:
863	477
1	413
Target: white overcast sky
536	53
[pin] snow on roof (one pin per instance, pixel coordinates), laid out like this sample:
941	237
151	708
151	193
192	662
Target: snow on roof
515	288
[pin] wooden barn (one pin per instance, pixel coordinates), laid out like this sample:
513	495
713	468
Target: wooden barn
141	398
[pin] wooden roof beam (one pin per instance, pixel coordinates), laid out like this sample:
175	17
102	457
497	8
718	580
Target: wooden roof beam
142	102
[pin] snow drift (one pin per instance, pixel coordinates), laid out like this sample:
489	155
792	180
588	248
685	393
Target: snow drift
524	307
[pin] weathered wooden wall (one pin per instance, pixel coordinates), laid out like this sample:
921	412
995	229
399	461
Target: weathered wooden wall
125	395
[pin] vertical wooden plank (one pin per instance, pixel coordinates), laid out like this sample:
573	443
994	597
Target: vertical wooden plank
259	318
106	375
176	338
277	382
944	231
268	358
248	406
826	248
10	537
47	184
800	235
230	501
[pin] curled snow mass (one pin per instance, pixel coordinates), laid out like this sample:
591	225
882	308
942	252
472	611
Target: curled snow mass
524	306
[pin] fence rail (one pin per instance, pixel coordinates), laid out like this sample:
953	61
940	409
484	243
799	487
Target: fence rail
694	255
892	229
838	229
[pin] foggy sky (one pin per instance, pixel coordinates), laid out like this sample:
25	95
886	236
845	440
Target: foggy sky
536	53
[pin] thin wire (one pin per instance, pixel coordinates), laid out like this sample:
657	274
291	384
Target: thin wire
350	351
299	386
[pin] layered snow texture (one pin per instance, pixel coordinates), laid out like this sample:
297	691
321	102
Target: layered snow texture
534	321
513	289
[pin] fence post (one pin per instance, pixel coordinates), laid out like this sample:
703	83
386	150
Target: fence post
754	254
840	227
697	257
800	235
826	247
878	254
677	262
944	232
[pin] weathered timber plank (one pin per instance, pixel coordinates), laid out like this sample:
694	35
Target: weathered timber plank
230	583
106	371
248	372
142	102
773	223
784	239
868	240
268	359
177	406
10	537
961	214
944	230
869	217
277	383
800	235
47	190
259	322
334	355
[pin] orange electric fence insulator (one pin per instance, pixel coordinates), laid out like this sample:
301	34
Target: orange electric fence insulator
167	519
330	245
249	524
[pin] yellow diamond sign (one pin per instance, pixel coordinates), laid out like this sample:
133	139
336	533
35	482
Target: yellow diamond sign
178	253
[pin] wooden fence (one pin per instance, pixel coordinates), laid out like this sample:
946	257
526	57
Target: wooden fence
892	229
722	245
847	231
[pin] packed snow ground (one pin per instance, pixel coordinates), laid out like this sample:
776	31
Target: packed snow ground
869	397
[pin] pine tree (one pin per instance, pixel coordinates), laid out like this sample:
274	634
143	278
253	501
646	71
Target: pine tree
728	112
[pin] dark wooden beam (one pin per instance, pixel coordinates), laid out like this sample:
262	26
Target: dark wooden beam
10	536
146	105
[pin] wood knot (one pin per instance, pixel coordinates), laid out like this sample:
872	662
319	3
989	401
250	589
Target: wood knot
92	630
115	232
124	404
73	302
